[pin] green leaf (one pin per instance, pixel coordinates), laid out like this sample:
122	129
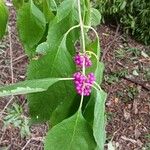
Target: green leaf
3	18
29	86
97	67
95	115
65	8
89	109
51	65
95	17
71	134
53	5
87	12
43	104
47	10
61	24
31	25
123	5
99	121
18	3
95	108
65	110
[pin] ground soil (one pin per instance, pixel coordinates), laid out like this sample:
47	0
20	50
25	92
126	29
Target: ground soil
126	80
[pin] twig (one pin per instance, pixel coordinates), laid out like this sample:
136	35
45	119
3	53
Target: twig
1	113
35	139
128	139
18	58
144	86
12	74
110	43
11	67
11	55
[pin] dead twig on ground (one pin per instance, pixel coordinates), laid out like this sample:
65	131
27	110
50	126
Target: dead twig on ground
12	75
32	139
143	84
128	139
15	61
11	54
110	43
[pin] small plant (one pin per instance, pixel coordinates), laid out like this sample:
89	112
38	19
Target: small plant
15	117
120	53
115	76
134	51
147	145
62	85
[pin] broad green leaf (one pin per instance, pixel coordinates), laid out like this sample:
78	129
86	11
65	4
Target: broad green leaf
97	67
47	11
59	27
28	86
65	110
18	3
53	5
95	108
99	121
73	133
94	46
51	65
89	109
87	12
65	8
31	25
95	17
3	18
95	115
57	63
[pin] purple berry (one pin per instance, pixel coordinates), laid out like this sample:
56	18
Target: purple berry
83	83
80	58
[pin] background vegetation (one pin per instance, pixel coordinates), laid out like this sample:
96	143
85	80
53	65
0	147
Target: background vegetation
132	14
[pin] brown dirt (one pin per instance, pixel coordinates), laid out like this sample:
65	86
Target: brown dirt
10	137
128	103
127	106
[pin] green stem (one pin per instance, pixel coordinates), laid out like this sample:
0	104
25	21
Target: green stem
82	33
89	27
72	28
98	86
64	79
81	102
92	53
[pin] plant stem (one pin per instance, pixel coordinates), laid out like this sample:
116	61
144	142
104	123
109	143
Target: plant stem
89	27
82	34
98	86
82	97
76	26
66	79
92	53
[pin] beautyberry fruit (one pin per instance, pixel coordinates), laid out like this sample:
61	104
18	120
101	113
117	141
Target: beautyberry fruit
83	83
80	58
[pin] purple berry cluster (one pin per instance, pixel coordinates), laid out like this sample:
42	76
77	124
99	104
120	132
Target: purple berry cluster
83	83
80	58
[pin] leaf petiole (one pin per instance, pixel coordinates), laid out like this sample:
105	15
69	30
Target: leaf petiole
92	54
65	79
72	28
98	86
89	27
